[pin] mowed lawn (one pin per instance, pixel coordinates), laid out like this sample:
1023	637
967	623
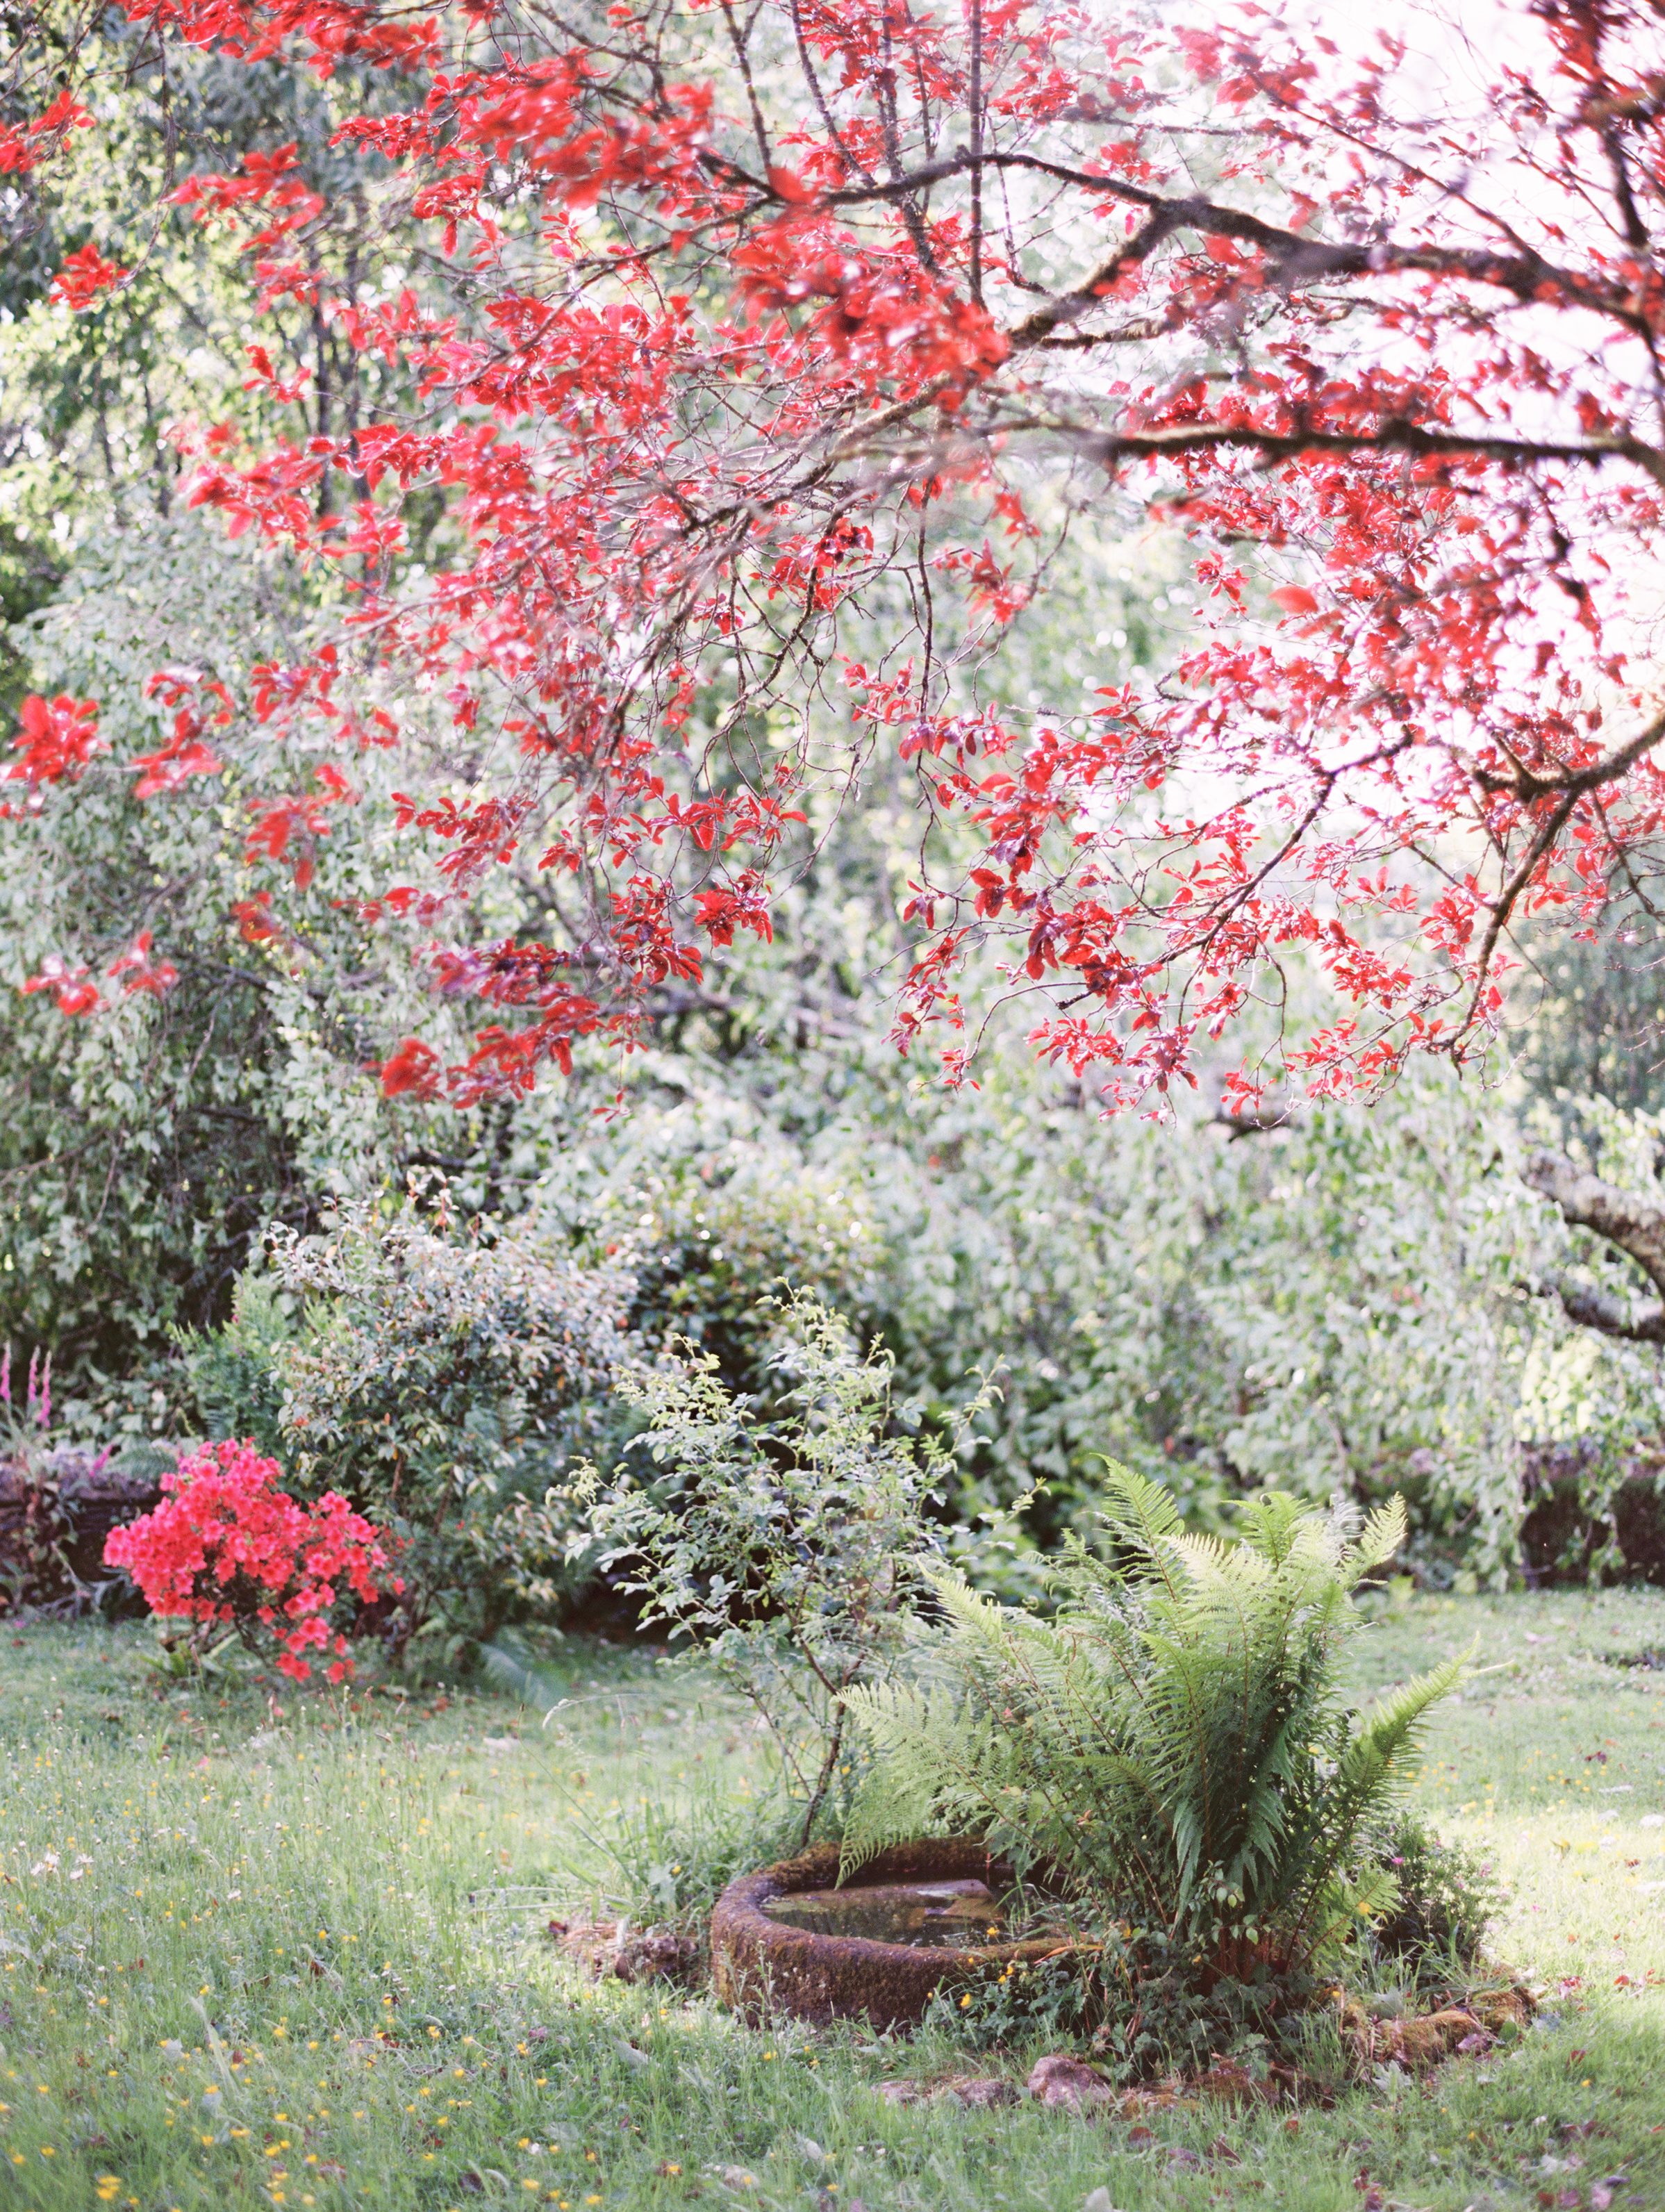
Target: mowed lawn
270	1949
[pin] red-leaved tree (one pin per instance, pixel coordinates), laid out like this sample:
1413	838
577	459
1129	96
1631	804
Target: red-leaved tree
777	318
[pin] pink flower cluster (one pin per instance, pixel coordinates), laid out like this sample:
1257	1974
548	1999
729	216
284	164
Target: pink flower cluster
227	1545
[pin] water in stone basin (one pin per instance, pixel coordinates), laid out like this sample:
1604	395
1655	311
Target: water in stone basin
948	1915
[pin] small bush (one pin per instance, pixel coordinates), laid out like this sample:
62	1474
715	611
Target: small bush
715	1223
786	1550
710	1260
439	1378
227	1548
1448	1899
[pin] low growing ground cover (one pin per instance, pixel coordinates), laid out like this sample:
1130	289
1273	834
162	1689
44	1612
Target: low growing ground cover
262	1948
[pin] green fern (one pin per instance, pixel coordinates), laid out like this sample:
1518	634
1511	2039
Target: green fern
1173	1747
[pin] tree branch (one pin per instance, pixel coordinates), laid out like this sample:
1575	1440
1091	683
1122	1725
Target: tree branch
1636	1226
1599	1309
1393	435
1295	258
1257	1124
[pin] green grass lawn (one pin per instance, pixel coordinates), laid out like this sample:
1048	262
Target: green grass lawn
291	1951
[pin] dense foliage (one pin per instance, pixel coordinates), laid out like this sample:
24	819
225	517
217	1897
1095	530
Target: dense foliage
1449	1898
1348	1301
440	1383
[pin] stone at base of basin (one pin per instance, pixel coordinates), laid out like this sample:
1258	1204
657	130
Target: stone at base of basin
1424	2040
979	2093
760	1965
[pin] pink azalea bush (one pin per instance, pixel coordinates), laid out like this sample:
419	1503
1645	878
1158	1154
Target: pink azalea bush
228	1546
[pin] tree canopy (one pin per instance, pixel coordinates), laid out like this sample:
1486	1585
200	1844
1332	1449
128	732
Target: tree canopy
761	366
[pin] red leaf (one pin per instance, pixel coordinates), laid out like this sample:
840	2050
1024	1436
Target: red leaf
414	1067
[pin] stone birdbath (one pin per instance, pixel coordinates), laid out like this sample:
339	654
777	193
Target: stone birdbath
790	1939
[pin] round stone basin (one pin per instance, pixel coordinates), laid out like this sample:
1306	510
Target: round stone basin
790	1939
929	1916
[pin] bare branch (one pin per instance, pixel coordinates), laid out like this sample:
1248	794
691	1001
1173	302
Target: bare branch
1259	1124
1635	1225
1394	436
1599	1309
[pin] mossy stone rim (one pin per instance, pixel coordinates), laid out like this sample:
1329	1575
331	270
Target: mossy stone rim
762	1966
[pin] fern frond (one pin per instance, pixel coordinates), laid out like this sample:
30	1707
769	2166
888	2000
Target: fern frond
1367	1773
1392	1725
1344	1907
930	1757
1383	1534
1146	1508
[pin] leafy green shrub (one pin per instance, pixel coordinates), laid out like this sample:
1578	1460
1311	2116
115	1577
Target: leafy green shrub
1330	1304
788	1549
442	1380
1448	1899
1171	1753
236	1373
714	1221
709	1254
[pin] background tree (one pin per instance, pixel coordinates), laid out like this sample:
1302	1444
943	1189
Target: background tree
762	322
1199	492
